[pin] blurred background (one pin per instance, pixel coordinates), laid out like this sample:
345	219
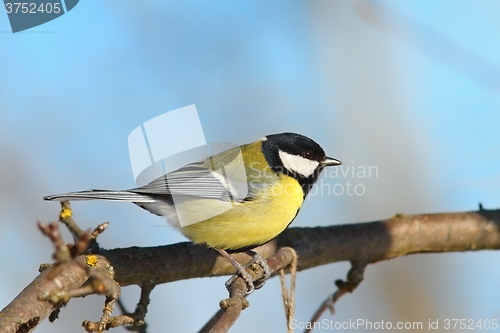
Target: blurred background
410	88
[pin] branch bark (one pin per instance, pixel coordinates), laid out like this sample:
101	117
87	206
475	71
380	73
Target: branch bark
364	242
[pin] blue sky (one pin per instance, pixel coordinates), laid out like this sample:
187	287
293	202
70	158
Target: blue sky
408	86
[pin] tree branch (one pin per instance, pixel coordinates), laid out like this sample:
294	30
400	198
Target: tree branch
366	242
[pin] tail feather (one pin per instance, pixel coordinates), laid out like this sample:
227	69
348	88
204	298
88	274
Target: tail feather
100	195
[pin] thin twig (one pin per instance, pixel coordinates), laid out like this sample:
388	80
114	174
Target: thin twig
354	278
136	319
66	218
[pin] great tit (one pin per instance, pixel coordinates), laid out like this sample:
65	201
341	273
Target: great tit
233	201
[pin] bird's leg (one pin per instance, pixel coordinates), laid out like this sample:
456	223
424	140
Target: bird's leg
241	270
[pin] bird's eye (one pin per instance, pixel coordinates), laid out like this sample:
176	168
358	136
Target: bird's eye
307	154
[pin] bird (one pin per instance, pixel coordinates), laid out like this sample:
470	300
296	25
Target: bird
233	201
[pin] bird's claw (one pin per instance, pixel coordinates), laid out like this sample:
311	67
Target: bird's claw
248	279
241	272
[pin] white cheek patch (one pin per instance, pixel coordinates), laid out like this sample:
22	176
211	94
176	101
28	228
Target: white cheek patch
298	164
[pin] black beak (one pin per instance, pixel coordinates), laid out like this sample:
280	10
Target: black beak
328	161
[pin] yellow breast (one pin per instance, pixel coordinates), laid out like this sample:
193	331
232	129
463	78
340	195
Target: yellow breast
250	223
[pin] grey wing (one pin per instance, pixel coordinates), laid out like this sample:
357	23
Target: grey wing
222	177
195	180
